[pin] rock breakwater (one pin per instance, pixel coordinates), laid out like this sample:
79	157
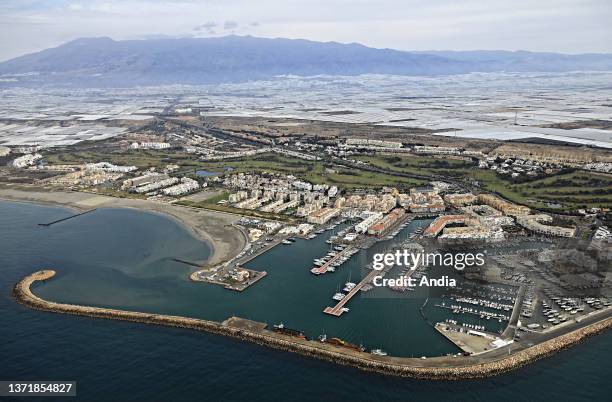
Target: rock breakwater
441	368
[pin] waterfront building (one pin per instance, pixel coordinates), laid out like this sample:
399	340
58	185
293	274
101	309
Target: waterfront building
538	223
440	223
187	185
142	180
370	219
500	204
457	200
156	185
383	224
323	215
473	232
487	215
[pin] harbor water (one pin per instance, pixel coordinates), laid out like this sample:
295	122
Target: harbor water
124	259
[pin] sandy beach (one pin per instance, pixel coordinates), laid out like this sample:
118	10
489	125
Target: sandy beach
215	228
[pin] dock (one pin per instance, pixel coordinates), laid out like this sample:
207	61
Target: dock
337	309
512	327
323	268
65	219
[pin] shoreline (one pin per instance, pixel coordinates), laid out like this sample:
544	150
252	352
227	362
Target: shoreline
435	368
216	229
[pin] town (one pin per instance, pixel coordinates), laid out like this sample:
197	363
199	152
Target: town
539	212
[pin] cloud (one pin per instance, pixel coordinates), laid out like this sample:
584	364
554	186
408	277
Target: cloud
230	25
570	26
209	27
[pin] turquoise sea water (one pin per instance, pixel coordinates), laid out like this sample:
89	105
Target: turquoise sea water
123	258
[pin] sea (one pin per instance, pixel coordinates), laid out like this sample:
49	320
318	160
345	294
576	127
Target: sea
123	258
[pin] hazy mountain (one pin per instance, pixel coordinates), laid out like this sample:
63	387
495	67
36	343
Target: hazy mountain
105	62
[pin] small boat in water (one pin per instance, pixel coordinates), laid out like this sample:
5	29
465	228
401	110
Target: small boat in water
378	352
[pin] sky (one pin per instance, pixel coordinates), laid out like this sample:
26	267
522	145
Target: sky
566	26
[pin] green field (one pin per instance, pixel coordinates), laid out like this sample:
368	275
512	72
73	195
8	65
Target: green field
574	190
318	172
421	165
142	159
579	189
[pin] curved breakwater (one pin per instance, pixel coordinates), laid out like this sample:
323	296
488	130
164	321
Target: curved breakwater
444	368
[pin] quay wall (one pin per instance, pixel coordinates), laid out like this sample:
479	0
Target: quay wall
438	368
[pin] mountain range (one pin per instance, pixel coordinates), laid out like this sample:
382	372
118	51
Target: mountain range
103	62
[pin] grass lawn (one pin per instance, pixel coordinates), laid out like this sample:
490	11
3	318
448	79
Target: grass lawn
579	189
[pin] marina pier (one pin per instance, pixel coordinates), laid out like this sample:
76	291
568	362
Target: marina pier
337	310
323	268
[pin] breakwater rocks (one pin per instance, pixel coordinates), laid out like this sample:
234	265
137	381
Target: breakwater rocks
442	368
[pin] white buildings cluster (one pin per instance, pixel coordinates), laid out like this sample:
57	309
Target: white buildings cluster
369	219
150	145
472	229
187	185
487	216
295	154
109	167
457	200
323	215
426	149
26	160
474	232
540	224
301	229
213	155
368	202
516	167
277	193
605	167
502	205
142	180
84	178
156	185
422	200
151	183
602	233
364	142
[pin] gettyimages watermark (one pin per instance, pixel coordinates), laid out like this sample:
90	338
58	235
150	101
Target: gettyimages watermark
413	260
572	268
410	262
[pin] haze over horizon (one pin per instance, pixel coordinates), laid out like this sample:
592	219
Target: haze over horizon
566	26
